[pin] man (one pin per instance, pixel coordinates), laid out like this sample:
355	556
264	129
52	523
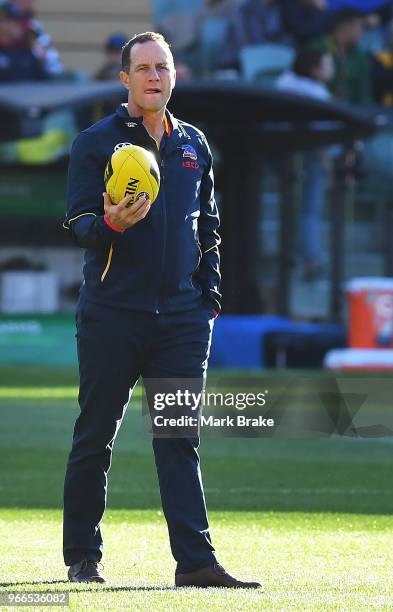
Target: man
311	73
383	72
253	22
306	19
17	60
352	79
109	71
146	308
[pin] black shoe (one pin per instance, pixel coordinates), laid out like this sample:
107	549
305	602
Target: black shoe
85	571
213	576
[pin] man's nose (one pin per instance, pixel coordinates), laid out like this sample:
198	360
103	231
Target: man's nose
153	74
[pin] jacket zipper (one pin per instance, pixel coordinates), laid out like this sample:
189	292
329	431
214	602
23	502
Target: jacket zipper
164	234
108	263
164	229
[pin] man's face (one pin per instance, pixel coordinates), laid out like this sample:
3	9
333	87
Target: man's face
151	77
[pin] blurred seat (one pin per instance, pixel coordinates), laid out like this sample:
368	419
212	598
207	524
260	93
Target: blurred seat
265	62
373	41
164	8
211	39
181	30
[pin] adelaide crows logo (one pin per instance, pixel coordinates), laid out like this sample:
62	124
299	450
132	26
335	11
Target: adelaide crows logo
189	151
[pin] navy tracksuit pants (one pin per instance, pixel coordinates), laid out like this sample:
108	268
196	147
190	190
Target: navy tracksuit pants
115	348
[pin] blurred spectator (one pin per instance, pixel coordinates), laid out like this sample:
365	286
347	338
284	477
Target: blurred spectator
43	49
112	65
180	29
25	47
196	35
312	71
306	19
213	27
252	23
18	62
38	39
383	73
352	80
377	13
27	54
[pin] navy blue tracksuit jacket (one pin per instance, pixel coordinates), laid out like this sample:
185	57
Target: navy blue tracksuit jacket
168	261
145	310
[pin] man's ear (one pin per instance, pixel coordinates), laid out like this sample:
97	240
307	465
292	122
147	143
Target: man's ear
125	79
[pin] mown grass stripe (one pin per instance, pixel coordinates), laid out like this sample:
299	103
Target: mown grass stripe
44	392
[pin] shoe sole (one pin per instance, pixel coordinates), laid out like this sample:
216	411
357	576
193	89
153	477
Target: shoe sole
99	580
72	578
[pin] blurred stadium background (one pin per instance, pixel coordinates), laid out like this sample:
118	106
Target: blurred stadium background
305	88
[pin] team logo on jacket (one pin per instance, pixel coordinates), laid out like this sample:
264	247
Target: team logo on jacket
191	156
121	145
189	151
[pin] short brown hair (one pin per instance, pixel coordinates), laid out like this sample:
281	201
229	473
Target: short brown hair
139	38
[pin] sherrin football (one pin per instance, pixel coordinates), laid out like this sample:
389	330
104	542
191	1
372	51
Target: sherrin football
132	170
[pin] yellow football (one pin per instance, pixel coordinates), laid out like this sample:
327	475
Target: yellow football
132	170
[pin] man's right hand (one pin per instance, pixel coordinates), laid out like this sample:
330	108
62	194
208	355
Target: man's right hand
124	216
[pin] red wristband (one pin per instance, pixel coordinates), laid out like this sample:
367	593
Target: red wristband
109	224
215	313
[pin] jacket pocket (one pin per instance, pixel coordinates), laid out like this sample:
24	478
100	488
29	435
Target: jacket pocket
193	279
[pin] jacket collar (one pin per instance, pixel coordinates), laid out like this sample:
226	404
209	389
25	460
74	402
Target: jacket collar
178	135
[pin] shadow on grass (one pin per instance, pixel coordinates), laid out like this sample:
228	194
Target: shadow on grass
26	582
93	587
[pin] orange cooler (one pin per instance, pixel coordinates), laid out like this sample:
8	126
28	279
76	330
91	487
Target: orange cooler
370	302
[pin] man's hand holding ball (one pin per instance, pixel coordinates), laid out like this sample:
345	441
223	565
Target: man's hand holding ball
122	216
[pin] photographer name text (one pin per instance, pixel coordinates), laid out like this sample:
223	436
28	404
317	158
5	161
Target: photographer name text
210	421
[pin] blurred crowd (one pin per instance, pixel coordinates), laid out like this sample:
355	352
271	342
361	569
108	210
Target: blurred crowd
326	49
331	50
26	50
211	39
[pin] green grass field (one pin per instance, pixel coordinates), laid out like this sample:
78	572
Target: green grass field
311	519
